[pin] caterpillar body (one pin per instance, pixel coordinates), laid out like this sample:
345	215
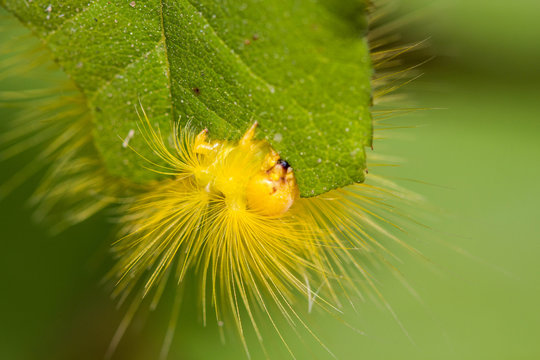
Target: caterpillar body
231	213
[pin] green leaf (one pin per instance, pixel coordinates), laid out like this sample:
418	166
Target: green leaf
301	68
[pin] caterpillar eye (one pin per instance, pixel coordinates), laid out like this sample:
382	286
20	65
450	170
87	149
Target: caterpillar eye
284	164
272	192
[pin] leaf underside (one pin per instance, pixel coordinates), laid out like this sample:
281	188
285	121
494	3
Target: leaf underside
300	68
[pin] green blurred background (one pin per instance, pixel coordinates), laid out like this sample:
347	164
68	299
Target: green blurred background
476	157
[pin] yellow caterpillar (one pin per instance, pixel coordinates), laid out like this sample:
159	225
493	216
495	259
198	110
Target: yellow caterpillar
231	212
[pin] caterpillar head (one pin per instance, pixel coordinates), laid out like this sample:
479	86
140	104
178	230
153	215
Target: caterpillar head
249	174
273	190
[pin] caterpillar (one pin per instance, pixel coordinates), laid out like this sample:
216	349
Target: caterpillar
232	214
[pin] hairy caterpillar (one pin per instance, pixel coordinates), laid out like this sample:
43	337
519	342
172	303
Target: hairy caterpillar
231	213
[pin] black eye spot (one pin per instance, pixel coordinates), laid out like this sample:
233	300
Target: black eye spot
196	91
284	164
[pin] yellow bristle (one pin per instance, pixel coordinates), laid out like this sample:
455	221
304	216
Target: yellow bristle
199	221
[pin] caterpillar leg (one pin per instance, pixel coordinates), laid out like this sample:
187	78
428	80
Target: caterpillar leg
270	159
247	139
202	146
